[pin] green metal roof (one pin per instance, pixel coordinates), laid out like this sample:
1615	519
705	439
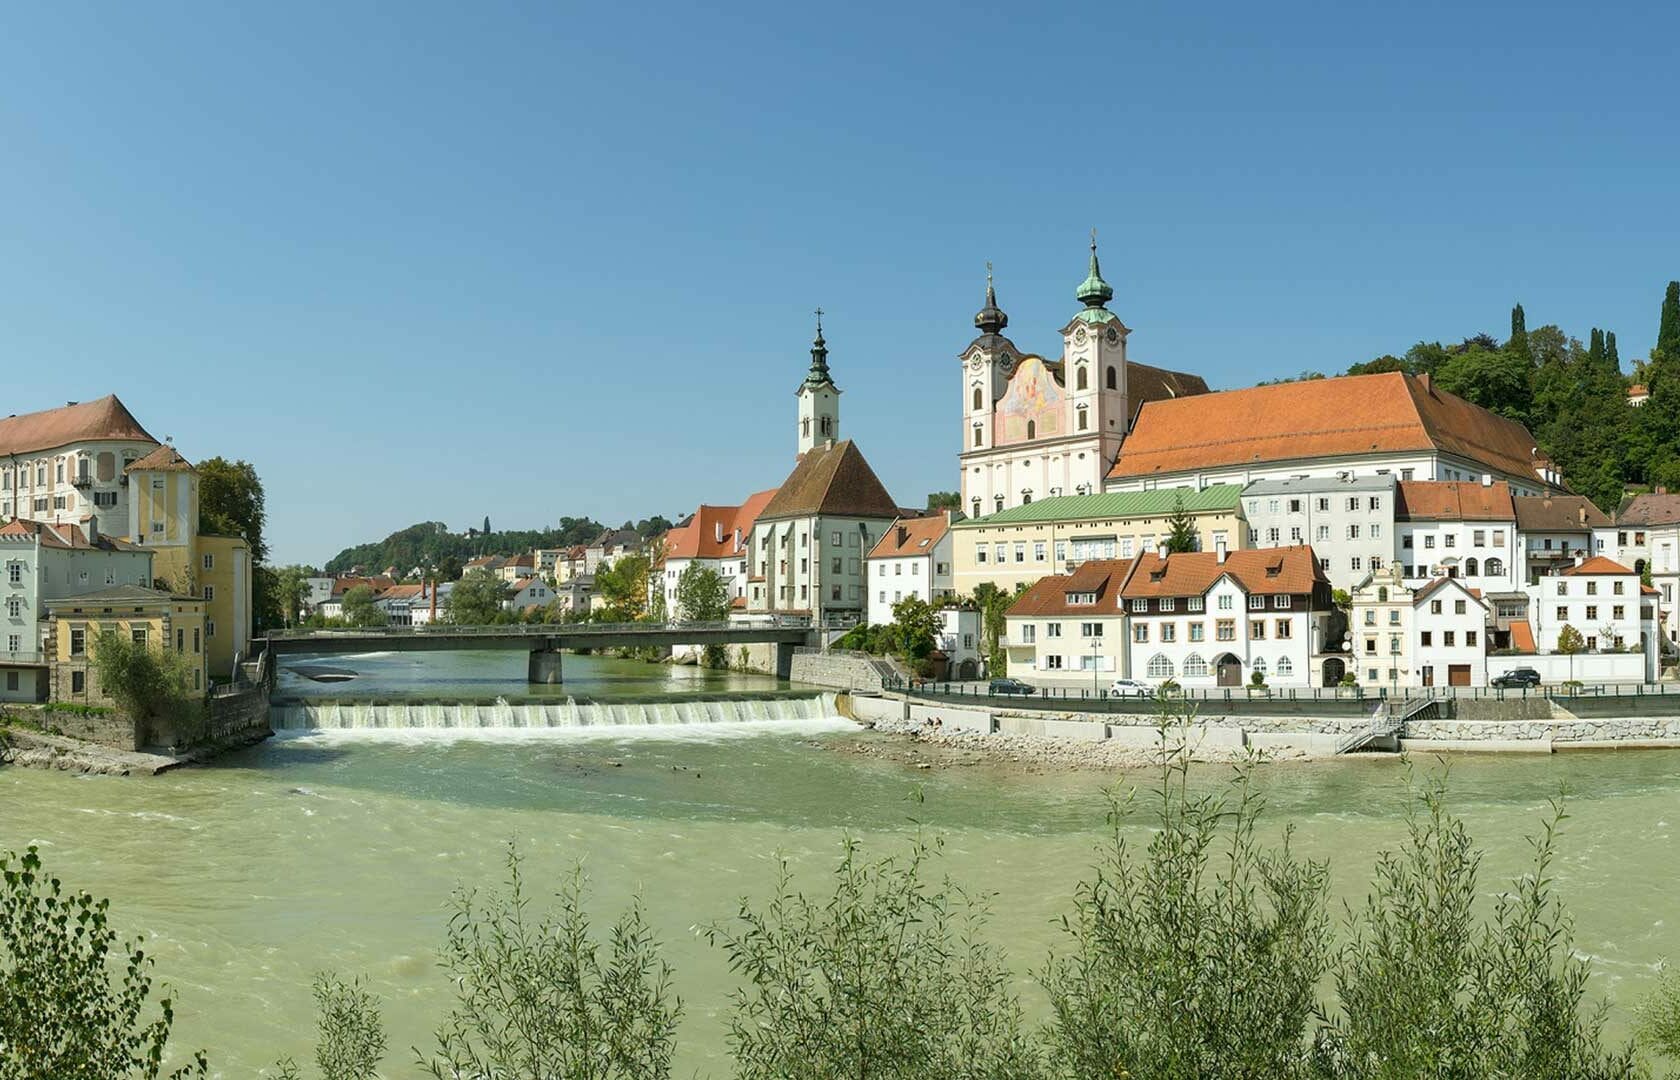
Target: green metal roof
1095	316
1159	503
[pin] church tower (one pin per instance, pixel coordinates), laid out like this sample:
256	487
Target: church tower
987	364
1094	355
819	399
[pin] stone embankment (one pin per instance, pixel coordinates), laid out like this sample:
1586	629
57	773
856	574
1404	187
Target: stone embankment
37	750
109	743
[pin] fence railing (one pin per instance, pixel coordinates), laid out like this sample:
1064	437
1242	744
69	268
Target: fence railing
779	622
14	656
1232	694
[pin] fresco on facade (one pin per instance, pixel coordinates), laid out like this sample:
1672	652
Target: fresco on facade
1034	397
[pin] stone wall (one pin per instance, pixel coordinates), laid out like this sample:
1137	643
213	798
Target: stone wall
113	729
836	672
243	715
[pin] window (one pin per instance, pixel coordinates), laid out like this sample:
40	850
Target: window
1160	667
1052	629
1112	379
1323	532
1356	563
1082	377
1256	603
1592	588
1562	587
78	641
1394	617
1426	638
1323	505
1449	638
1140	605
1282	603
1376	530
1091	629
1029	633
1353	532
1169	632
979	555
14	607
78	682
1272	535
1225	630
1257	629
1562	613
1225	602
1195	666
1195	603
1283	628
1196	631
1450	540
1616	587
1285	668
1592	611
976	434
1052	663
1020	553
210	593
1370	617
1406	541
1353	503
1469	637
1429	540
1259	666
1618	612
1140	632
1001	552
1061	551
14	573
1434	607
1394	644
1038	551
1032	429
979	400
1168	603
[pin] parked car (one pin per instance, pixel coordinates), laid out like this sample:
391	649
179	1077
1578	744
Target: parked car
1010	686
1522	676
1130	688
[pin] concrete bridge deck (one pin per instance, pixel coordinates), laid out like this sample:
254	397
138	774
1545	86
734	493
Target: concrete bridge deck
545	642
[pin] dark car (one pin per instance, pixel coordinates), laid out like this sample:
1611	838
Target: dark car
1010	686
1522	676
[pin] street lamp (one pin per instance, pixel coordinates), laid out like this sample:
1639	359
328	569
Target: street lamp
1096	679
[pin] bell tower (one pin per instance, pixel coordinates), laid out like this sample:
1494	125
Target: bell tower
987	364
819	399
1094	350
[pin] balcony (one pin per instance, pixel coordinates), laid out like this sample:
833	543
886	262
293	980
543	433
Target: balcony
33	659
82	482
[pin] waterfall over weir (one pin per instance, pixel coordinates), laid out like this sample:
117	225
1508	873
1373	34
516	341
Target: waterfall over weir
503	715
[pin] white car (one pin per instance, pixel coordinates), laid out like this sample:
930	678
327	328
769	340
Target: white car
1130	688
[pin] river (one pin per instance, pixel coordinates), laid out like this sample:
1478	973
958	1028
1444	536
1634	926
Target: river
339	849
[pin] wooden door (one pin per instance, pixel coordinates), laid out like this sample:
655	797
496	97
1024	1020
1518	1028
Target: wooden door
1458	675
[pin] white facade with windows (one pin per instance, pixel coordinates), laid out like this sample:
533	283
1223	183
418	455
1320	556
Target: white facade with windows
1348	520
912	558
1193	638
1598	597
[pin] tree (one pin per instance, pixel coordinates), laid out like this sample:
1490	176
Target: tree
486	530
703	596
447	568
476	600
944	500
1380	365
885	979
150	683
1668	327
535	997
915	629
360	608
994	605
1492	378
290	588
657	525
1570	642
1517	346
231	503
1181	534
623	586
74	998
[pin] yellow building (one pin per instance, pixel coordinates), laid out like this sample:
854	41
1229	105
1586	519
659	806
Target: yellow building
150	616
1052	536
163	518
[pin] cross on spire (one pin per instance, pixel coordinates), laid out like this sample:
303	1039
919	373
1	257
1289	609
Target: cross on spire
819	321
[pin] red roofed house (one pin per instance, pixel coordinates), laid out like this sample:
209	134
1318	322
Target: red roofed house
912	558
1357	424
1406	633
716	537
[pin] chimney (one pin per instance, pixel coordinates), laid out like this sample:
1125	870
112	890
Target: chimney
1219	552
434	599
1487	479
903	535
1580	557
1428	386
1581	512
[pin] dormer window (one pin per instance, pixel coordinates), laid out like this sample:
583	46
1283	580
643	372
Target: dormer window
1140	606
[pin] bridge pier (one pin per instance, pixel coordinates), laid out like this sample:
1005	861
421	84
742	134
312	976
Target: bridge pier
544	667
782	653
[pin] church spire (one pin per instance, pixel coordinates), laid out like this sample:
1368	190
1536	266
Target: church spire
991	319
818	375
1094	292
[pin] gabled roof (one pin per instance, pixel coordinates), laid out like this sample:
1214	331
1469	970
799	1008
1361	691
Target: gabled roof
1598	565
1158	502
64	536
164	459
831	479
1558	513
84	421
525	583
402	592
1454	500
709	533
1265	571
1048	595
912	536
1354	414
1650	509
1437	584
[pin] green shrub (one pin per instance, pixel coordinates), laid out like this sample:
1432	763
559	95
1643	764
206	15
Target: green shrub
150	684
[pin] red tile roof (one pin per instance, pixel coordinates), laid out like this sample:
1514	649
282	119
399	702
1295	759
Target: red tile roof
1441	583
1522	636
1650	508
1598	565
912	536
710	533
64	536
1353	414
833	480
86	421
1048	595
1265	571
1454	500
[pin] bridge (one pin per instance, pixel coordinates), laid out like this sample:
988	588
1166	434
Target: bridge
545	643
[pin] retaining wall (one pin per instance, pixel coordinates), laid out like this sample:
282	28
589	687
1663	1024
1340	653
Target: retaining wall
836	672
113	729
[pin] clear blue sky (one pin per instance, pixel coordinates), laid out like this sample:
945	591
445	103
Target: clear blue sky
425	261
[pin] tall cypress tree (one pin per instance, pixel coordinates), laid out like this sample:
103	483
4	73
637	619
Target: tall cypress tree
1595	353
1668	332
1518	345
1612	362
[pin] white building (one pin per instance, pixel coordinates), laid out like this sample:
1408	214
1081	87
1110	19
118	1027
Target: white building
1070	629
1360	425
1648	538
1208	618
63	465
912	558
1600	598
41	562
1460	530
1347	520
717	538
1557	531
1413	634
1033	427
959	639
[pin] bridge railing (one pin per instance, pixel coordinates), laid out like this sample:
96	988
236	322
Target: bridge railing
532	629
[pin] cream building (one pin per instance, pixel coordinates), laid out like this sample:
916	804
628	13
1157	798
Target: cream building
1033	427
1052	536
68	464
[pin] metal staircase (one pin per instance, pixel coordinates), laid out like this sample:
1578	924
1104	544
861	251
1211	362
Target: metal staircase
1388	722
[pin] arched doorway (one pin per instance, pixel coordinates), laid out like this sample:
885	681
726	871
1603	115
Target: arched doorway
968	669
1334	669
1229	669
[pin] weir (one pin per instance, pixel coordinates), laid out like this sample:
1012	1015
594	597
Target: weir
569	713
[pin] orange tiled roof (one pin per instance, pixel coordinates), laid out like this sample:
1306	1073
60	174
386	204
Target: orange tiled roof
1522	636
832	480
1266	571
64	536
402	592
700	537
1454	500
1354	414
1646	590
911	536
1637	390
1598	565
1048	595
163	459
106	418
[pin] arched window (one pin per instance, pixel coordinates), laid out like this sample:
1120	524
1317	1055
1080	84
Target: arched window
976	513
805	426
828	425
1284	668
1493	568
1259	666
1113	379
1032	429
1195	666
999	500
1084	420
1084	382
1470	567
976	434
979	400
1160	667
1026	496
1382	594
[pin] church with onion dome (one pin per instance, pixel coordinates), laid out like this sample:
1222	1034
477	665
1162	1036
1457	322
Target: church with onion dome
1035	427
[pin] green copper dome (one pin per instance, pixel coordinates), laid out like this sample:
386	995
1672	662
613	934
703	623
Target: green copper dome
1094	292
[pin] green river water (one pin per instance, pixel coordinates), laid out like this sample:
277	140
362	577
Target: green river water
339	849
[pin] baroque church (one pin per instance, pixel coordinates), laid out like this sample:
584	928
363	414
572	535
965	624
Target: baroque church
1035	427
